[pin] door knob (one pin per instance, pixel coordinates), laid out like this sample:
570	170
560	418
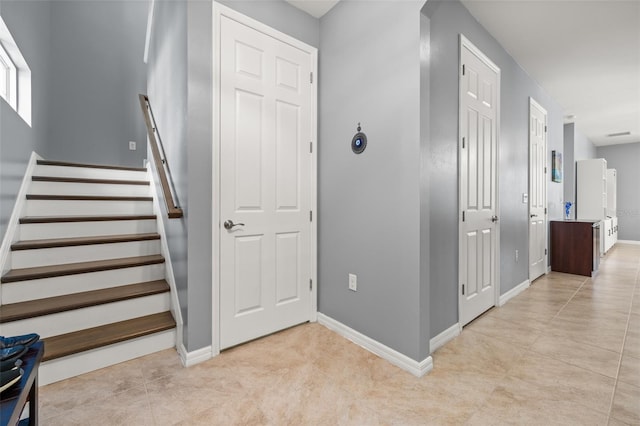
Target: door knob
494	218
228	224
534	215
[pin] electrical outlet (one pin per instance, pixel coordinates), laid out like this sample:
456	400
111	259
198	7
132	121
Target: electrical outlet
516	255
353	282
132	146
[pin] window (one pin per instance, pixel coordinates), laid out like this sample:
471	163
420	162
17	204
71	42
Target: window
8	78
15	75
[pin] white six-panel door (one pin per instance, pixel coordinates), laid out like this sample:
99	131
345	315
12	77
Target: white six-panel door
478	249
537	190
266	183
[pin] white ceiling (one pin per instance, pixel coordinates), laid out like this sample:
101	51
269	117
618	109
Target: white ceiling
584	53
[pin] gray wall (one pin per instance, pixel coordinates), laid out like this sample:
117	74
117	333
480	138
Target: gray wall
167	91
97	72
447	20
180	88
625	158
369	217
29	23
576	147
569	166
583	148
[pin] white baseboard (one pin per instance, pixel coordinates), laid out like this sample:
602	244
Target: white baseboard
504	298
443	338
402	361
549	269
195	357
634	242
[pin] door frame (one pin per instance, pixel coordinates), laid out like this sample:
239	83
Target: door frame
465	42
533	102
218	11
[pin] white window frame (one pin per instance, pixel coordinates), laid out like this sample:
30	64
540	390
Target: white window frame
19	76
9	87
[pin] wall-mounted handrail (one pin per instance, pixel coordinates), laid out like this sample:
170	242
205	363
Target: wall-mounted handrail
160	161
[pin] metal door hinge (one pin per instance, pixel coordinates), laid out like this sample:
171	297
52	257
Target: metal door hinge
310	285
463	289
545	251
310	215
545	210
310	147
463	216
545	170
463	143
311	77
545	129
463	69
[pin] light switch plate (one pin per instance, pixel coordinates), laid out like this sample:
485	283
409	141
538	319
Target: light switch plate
132	146
525	198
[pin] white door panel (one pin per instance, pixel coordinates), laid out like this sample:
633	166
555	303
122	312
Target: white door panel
479	112
265	175
537	190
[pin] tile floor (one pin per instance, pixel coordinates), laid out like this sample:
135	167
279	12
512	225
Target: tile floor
566	352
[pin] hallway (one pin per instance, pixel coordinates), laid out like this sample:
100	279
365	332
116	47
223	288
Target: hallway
566	351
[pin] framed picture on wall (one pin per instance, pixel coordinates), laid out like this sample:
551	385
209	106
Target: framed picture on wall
556	166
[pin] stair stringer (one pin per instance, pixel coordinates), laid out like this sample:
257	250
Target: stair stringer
12	233
168	265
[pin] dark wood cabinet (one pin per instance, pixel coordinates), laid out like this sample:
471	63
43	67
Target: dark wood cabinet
572	246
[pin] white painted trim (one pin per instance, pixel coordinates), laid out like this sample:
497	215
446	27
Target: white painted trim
194	357
445	337
147	38
12	233
465	43
514	292
402	361
634	242
164	250
549	269
218	11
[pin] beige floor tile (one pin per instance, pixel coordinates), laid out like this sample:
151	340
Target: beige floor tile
630	370
582	355
566	382
626	404
130	407
519	403
511	332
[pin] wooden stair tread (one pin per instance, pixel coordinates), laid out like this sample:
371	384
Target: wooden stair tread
60	219
51	305
93	166
87	197
82	241
87	180
96	337
79	268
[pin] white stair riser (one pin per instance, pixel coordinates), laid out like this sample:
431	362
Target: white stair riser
36	231
74	365
67	188
94	316
63	255
88	172
82	208
58	286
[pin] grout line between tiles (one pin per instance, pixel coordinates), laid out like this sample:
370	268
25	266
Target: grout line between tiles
624	340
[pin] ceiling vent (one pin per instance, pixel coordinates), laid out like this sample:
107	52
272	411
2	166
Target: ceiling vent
612	135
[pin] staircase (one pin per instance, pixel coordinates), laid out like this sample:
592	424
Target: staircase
86	270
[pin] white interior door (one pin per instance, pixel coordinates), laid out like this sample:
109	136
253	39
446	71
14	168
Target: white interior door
537	190
266	183
479	127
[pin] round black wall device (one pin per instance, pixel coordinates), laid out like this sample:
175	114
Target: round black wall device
359	141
